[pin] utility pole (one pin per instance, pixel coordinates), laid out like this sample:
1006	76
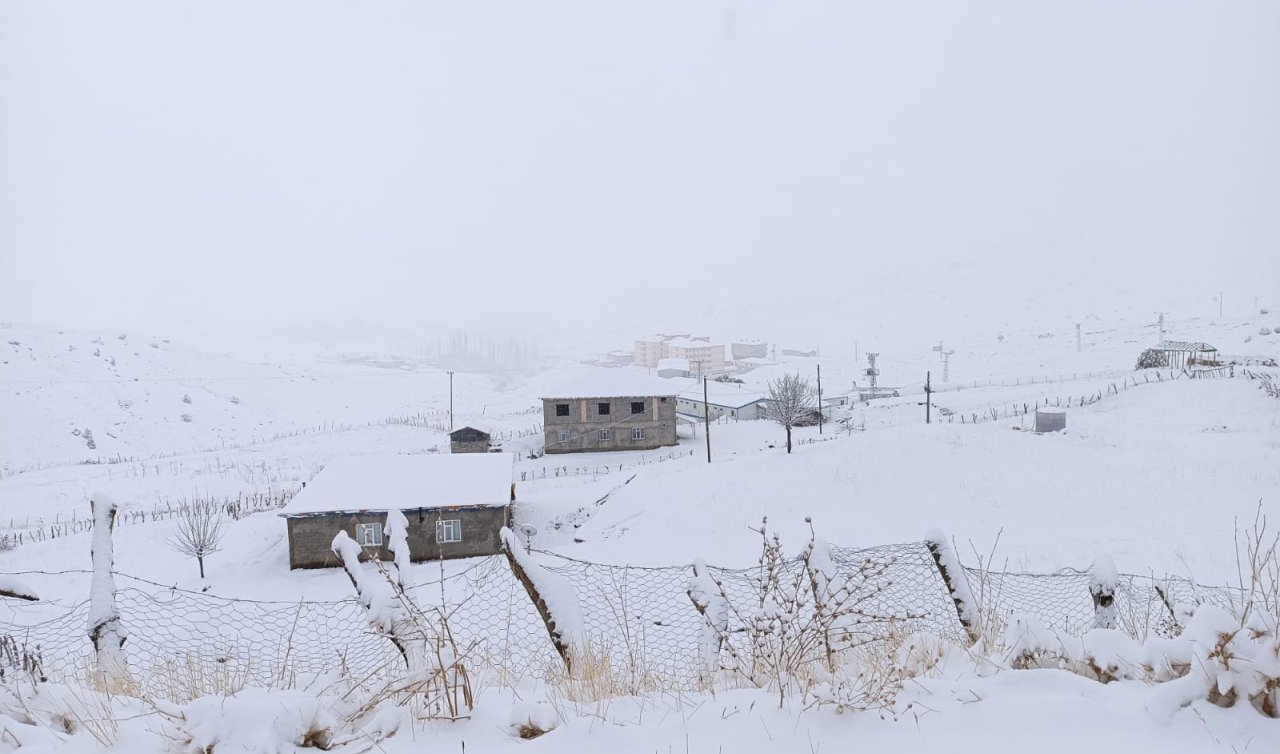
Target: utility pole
451	400
1219	304
1161	327
928	397
872	372
819	399
706	416
1077	337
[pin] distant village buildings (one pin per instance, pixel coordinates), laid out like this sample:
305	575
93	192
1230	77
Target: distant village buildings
704	357
610	410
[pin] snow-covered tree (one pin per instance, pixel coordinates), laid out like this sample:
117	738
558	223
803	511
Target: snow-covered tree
198	533
791	401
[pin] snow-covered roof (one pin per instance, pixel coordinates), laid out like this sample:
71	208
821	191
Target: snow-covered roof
617	382
385	482
1184	345
689	343
723	394
673	364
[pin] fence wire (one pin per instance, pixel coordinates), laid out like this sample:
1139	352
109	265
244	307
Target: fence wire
641	619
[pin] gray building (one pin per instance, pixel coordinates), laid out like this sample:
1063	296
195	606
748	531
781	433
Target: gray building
608	410
468	440
455	506
748	349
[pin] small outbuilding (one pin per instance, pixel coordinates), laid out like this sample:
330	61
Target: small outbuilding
456	505
1050	419
1182	353
468	440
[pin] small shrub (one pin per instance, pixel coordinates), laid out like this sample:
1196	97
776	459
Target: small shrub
186	398
1265	331
187	418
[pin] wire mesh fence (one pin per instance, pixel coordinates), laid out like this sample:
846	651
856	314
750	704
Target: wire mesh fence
641	619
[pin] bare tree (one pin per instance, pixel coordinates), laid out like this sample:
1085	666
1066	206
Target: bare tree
790	402
199	532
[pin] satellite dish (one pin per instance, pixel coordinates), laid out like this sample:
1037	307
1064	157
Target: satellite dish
528	530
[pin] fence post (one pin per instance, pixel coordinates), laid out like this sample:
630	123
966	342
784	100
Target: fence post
953	576
560	634
1102	588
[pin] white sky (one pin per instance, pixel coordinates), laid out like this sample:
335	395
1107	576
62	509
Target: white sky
560	165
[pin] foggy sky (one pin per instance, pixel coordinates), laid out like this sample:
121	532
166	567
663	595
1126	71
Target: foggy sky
561	165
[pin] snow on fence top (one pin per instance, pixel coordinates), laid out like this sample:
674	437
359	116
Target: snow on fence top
379	483
616	382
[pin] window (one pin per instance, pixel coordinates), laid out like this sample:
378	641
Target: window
448	531
369	535
604	434
563	435
602	409
637	433
637	407
562	409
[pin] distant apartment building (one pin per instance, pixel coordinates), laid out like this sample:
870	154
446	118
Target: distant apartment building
703	356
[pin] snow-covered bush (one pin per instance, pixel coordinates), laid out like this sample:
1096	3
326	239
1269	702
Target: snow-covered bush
1152	358
797	632
1264	331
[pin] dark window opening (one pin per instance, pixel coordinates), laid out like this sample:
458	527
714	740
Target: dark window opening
602	409
637	407
562	409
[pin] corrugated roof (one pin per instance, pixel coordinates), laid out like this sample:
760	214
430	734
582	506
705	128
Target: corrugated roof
1184	345
385	482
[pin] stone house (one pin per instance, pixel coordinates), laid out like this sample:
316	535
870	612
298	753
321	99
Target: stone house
610	409
468	440
456	506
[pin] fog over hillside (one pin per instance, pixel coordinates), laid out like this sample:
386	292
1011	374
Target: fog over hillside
574	169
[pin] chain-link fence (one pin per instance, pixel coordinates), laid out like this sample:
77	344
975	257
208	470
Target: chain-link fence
641	619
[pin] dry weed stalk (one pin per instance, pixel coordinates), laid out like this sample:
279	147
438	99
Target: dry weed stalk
803	619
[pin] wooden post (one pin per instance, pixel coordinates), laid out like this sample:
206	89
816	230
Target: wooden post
706	417
819	399
562	648
928	397
964	611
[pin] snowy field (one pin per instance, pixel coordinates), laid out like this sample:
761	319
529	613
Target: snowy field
1157	475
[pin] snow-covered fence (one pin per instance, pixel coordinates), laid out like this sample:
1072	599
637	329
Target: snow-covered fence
234	507
641	620
1028	408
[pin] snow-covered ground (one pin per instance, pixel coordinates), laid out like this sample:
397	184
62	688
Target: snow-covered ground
1155	475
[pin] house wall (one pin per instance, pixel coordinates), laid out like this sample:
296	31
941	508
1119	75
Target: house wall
311	537
585	422
749	412
476	446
